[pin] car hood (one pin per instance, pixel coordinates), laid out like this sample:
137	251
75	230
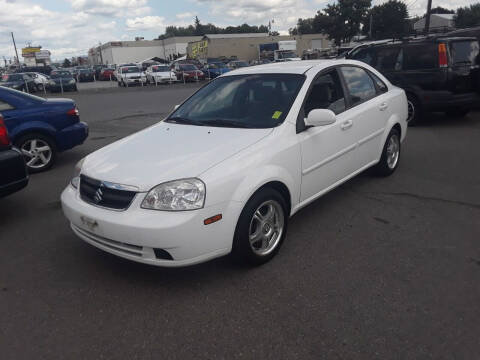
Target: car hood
64	80
166	152
133	74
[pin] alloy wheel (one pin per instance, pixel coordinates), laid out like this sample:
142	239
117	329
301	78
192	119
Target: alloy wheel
266	227
37	153
393	151
411	110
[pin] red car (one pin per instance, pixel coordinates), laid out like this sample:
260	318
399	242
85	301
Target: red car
106	74
188	72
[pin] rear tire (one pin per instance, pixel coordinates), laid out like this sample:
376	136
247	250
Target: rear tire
261	228
390	155
39	151
415	110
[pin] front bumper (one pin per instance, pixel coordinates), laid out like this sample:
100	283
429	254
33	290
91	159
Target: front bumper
135	81
136	234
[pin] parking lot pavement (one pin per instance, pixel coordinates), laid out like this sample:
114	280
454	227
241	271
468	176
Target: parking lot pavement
380	268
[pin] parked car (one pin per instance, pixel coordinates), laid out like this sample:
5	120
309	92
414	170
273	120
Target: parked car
214	69
107	74
13	172
160	74
188	72
40	80
61	80
438	73
40	127
18	81
117	68
130	75
85	75
46	70
237	64
98	69
228	167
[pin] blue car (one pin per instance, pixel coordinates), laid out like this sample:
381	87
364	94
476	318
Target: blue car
215	69
40	127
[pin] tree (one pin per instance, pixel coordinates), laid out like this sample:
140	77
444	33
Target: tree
389	20
441	10
468	16
66	63
198	27
345	18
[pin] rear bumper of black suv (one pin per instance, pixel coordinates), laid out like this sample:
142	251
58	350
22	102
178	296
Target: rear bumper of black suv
444	100
13	173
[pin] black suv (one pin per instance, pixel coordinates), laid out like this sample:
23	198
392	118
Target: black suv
438	73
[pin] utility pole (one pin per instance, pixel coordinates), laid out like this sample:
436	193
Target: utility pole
101	56
427	19
16	52
370	29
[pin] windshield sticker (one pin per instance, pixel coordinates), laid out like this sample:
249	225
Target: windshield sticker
276	115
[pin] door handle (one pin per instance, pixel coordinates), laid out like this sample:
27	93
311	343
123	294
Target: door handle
346	125
383	106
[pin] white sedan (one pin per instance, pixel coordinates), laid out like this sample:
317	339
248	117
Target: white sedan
158	74
228	167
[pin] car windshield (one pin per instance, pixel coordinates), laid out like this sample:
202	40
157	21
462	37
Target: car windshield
188	67
244	101
240	64
465	52
61	74
12	77
216	65
160	69
129	70
84	71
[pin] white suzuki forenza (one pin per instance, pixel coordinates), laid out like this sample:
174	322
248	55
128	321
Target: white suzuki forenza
227	168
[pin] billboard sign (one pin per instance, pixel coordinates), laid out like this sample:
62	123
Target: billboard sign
42	54
30	51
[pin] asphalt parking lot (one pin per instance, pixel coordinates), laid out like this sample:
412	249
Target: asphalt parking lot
380	268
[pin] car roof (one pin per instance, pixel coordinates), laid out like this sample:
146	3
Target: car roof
291	67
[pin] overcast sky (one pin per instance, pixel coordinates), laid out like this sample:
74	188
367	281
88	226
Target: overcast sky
70	27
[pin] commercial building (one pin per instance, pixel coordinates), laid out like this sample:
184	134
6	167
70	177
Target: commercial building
117	52
246	46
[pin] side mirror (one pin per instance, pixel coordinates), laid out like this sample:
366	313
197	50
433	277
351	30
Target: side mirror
320	117
176	107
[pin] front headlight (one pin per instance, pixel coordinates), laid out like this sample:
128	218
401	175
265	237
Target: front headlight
178	195
71	81
76	174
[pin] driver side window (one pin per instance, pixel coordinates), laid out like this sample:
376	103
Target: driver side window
326	93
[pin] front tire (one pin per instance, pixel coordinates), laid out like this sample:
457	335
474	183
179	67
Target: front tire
38	150
390	155
261	228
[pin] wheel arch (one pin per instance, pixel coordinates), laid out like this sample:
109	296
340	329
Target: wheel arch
42	130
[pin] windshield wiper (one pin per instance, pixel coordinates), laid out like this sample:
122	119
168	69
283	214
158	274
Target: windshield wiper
226	123
184	121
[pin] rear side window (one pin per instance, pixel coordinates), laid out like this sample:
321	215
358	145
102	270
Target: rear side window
464	52
420	56
381	86
388	58
5	106
359	84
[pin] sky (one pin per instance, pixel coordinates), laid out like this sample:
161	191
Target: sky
70	27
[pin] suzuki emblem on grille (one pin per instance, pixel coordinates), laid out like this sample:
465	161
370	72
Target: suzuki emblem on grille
98	194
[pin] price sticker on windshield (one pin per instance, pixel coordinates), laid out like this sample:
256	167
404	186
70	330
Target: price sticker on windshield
276	115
